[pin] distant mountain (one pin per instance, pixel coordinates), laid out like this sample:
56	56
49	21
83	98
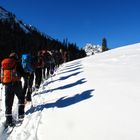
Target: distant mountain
8	16
92	49
4	14
16	36
20	37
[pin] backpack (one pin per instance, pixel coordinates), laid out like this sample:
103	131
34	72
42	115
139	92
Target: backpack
27	63
47	59
39	62
8	71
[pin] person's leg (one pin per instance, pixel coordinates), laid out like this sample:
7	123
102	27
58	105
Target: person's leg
25	86
37	78
48	70
40	76
44	72
30	82
9	98
21	98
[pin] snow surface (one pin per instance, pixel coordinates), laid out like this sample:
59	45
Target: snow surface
94	98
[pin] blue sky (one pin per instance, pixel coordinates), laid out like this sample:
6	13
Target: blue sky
82	21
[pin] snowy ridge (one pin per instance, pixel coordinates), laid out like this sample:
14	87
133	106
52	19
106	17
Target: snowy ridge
5	15
22	26
92	49
27	28
96	97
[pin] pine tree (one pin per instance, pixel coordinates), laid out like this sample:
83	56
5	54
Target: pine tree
104	45
14	39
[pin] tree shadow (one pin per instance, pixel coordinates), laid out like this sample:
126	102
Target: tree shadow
78	82
63	102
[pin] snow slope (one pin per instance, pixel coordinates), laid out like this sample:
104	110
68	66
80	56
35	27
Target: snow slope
95	98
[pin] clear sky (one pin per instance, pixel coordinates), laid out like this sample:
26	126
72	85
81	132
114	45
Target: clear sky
82	21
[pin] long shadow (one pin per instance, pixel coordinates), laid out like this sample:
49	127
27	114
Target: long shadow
75	69
79	82
63	102
66	77
48	82
71	67
62	78
74	63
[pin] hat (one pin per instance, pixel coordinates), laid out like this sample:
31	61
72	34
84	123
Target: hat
14	55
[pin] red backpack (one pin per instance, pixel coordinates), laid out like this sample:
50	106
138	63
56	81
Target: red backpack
8	71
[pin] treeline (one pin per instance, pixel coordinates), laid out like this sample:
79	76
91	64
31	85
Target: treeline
14	38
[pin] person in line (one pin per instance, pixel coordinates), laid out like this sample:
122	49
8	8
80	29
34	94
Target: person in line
38	69
29	68
11	74
27	88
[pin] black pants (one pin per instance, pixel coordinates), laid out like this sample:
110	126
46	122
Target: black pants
10	91
38	77
44	72
28	83
48	70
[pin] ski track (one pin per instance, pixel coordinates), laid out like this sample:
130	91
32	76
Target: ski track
32	120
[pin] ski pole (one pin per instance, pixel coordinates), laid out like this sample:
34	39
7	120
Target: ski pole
1	97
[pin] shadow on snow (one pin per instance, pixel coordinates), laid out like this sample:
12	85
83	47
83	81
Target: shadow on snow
81	81
66	77
71	67
61	78
75	69
63	102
